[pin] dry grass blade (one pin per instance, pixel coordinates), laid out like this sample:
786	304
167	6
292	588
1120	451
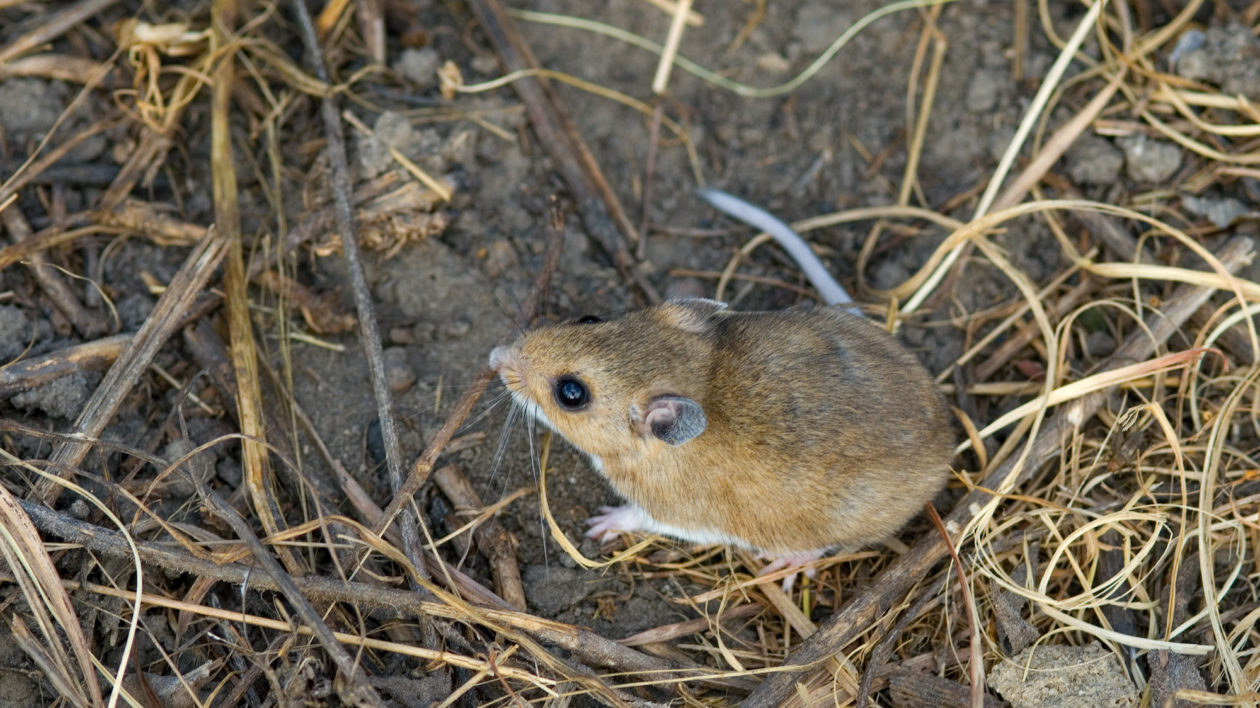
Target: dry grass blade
28	560
55	26
258	474
492	538
357	690
1083	28
590	647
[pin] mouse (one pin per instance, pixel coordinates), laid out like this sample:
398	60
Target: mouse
793	433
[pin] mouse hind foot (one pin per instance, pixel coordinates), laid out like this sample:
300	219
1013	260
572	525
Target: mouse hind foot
799	561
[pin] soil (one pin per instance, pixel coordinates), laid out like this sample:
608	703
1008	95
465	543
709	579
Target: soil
443	302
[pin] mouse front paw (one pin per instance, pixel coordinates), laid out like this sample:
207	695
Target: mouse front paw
613	520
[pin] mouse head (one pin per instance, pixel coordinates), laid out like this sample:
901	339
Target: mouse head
638	380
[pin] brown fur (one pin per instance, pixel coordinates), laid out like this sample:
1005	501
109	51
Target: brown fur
823	431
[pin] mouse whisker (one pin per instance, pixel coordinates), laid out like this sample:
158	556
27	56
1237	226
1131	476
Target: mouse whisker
505	436
494	402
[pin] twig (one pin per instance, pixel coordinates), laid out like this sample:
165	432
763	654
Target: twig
649	179
492	539
879	656
870	604
423	466
588	645
29	373
369	333
1014	343
51	280
371	14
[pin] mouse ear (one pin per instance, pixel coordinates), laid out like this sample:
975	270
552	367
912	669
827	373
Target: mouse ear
673	419
693	314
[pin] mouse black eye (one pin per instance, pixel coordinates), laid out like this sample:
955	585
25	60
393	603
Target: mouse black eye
571	394
588	319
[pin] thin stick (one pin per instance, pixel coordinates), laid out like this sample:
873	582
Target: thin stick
661	81
29	373
51	281
369	333
423	466
588	645
493	540
649	178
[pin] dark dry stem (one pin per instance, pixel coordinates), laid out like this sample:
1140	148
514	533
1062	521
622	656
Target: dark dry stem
494	542
369	334
50	279
56	26
883	650
869	604
30	373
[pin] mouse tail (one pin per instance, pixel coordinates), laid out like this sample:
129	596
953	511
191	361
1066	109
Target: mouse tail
831	291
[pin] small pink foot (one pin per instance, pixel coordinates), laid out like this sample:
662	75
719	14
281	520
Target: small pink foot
791	560
613	520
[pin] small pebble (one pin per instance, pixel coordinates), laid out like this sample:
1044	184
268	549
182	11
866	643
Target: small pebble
419	66
398	371
60	398
500	258
230	472
551	590
402	335
1221	212
15	332
456	329
1099	344
1149	161
982	93
1094	161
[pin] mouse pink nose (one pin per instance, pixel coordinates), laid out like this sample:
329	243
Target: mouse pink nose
502	357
